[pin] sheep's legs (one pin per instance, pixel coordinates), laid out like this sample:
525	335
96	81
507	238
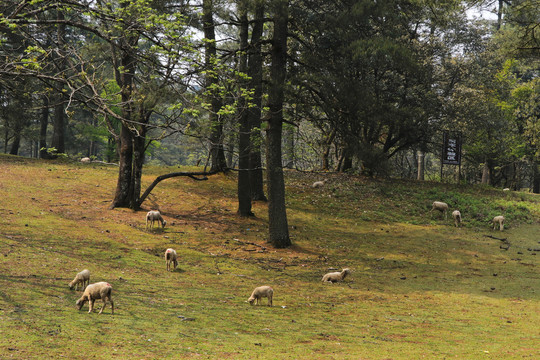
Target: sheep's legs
270	301
112	306
104	304
91	305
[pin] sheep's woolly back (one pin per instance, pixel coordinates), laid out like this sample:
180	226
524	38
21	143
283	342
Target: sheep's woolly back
498	220
336	276
101	290
439	205
317	184
170	257
457	217
81	278
154	215
259	293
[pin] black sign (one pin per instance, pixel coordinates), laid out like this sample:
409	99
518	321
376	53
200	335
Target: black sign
451	152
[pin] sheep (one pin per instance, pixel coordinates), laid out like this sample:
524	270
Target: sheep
152	216
170	257
81	278
86	160
100	290
336	276
259	293
506	189
442	207
318	184
457	217
498	220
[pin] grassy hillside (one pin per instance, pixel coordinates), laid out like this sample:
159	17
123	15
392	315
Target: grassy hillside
420	288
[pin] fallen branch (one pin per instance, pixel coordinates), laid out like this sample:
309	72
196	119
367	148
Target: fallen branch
196	175
496	238
249	243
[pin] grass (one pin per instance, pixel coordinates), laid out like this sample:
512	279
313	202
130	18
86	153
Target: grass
420	288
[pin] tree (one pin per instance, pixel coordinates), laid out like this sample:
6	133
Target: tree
367	71
212	88
277	216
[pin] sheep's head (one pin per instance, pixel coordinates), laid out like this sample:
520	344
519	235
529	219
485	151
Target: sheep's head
345	272
164	223
71	285
80	303
251	300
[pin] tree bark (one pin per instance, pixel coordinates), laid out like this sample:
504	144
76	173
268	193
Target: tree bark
217	153
420	175
277	215
124	195
486	174
59	129
255	63
44	122
536	177
244	143
15	145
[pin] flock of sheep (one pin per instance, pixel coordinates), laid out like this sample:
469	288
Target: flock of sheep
103	290
456	214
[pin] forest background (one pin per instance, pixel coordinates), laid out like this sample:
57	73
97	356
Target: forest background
350	86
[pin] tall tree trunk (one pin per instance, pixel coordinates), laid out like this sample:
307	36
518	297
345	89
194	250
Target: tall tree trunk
499	14
217	154
58	140
15	145
327	147
244	143
277	215
59	132
486	173
421	162
536	177
124	195
254	113
139	146
44	122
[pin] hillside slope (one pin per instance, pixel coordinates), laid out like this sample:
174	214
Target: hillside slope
419	286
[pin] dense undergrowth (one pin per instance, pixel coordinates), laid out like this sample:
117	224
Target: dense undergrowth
420	288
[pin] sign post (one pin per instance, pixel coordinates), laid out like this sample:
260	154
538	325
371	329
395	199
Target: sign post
451	151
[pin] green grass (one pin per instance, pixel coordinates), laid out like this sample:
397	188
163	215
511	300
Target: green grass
420	288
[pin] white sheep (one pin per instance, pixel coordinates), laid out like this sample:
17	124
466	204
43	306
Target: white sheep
442	207
259	293
506	189
152	216
101	290
457	217
170	257
86	160
318	184
498	220
336	276
81	278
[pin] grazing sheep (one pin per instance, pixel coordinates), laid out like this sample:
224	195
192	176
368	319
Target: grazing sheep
81	278
498	220
86	160
152	216
336	276
457	217
318	184
100	290
259	293
506	189
442	207
170	257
